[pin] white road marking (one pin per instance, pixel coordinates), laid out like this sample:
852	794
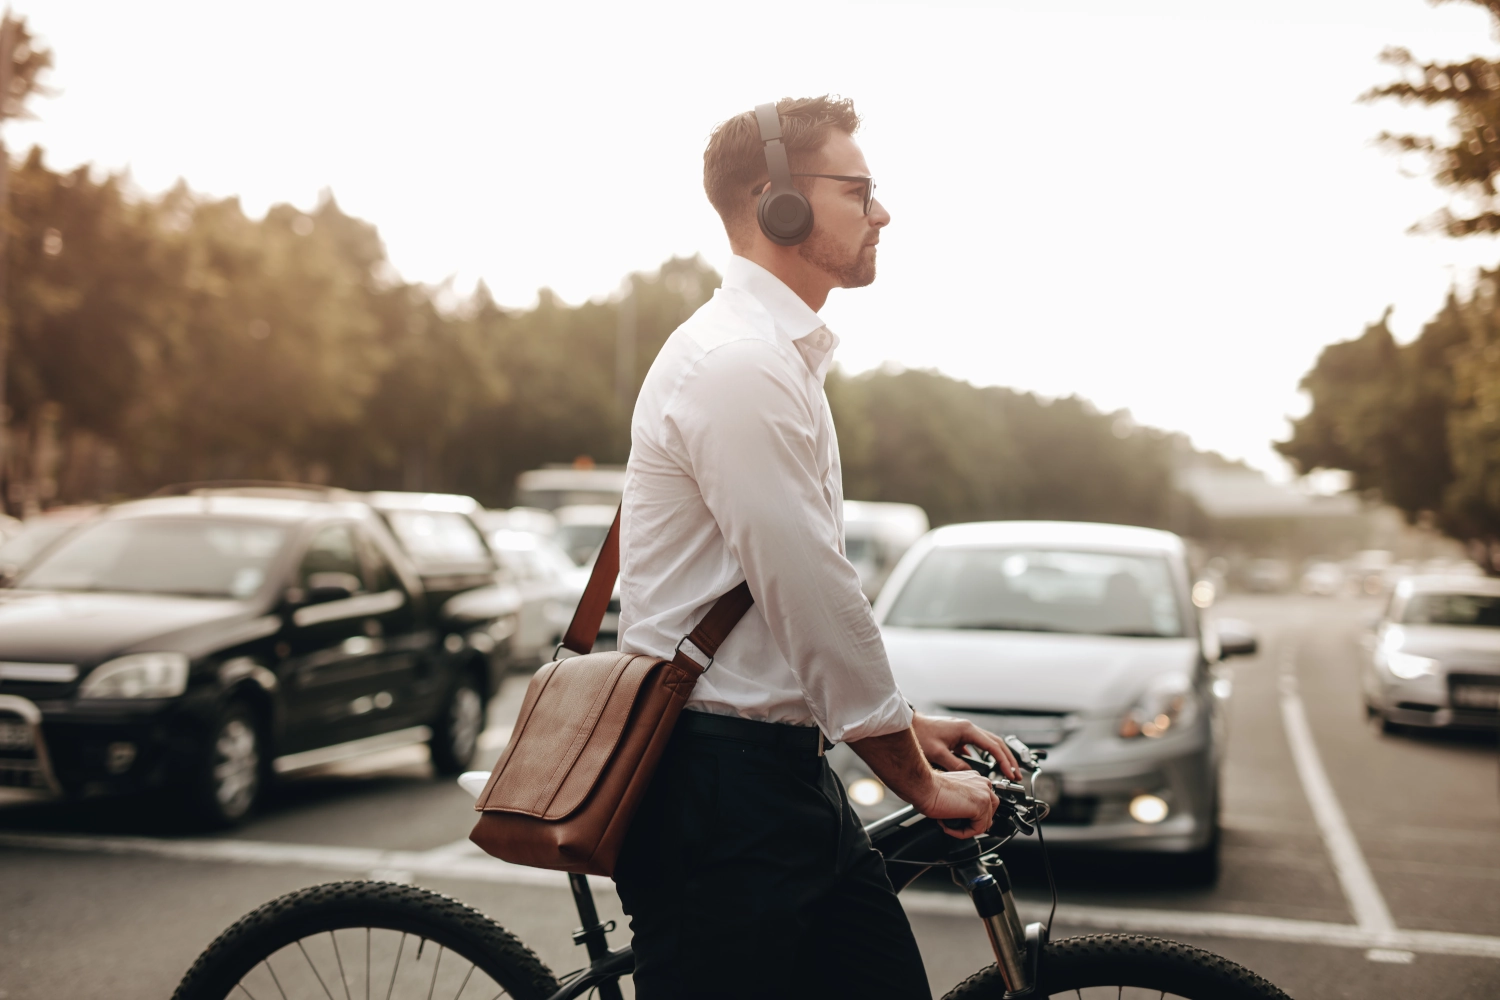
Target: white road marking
446	862
1371	914
1192	923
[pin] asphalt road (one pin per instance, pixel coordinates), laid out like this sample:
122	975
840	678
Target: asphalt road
1356	864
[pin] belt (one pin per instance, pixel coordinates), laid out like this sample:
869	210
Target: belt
803	739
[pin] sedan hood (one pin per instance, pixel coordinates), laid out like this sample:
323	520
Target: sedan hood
84	628
974	669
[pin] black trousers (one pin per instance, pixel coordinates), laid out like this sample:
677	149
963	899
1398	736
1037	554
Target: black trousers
747	874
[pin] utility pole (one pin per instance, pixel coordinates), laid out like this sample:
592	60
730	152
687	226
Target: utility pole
7	67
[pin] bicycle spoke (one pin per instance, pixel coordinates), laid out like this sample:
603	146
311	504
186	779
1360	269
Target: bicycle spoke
435	966
461	985
252	995
340	958
318	975
278	981
367	963
399	949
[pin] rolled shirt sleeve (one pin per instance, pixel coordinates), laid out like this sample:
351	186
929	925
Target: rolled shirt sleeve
743	418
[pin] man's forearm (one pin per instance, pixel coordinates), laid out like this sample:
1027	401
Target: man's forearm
896	758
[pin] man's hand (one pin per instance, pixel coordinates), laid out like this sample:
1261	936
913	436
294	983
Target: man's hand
943	737
964	795
896	759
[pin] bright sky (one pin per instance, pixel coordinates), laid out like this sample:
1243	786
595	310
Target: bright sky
1164	206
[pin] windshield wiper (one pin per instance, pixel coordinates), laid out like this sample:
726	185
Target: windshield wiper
1007	627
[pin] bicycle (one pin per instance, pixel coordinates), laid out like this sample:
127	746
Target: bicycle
294	945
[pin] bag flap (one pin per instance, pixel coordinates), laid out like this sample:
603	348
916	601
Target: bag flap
570	723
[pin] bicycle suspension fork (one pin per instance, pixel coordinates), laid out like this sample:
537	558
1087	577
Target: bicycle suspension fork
1017	949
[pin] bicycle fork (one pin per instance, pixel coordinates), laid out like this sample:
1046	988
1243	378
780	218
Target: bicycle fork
1017	949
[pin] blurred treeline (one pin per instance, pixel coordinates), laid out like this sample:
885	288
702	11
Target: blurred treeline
172	338
1418	425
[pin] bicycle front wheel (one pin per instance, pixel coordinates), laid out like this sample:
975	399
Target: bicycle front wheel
353	940
1126	966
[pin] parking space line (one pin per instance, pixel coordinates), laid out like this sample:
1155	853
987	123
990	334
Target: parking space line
443	863
1371	914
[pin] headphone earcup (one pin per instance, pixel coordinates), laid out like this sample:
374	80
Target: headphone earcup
785	216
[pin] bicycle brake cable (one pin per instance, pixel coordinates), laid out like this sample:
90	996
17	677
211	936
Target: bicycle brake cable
1051	882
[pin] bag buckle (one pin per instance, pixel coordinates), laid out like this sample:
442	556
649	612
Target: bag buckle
678	651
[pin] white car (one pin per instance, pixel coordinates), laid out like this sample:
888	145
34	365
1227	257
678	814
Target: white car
1435	655
1081	639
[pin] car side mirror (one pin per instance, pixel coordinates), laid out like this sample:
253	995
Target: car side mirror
324	587
1236	638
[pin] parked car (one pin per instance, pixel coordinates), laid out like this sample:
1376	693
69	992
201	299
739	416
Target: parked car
1081	639
877	535
1268	576
1434	655
571	485
37	532
581	529
1323	579
202	643
547	583
477	610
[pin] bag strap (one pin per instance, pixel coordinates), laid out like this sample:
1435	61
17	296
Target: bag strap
708	636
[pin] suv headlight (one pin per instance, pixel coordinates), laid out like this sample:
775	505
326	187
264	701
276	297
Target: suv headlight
139	675
1170	703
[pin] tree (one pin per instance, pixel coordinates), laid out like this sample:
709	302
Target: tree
22	63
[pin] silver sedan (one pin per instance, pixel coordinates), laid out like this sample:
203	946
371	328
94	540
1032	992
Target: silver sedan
1435	655
1080	638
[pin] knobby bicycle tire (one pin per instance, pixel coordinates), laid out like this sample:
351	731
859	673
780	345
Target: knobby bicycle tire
307	914
1129	960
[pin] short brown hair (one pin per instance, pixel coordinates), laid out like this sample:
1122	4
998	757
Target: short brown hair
734	163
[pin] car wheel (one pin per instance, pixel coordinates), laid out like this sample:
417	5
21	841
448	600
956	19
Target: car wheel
455	732
1201	867
230	774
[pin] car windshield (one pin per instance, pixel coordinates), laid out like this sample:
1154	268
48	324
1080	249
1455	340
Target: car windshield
581	541
197	557
438	538
1040	590
1481	610
35	536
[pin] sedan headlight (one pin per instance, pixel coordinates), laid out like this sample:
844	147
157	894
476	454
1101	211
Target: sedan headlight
139	675
1409	666
1170	703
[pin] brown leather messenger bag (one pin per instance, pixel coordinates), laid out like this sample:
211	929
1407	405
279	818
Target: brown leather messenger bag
590	734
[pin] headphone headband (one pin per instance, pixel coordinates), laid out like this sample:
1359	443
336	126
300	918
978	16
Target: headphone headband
783	212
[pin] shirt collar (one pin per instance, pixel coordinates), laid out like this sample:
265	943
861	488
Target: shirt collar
793	318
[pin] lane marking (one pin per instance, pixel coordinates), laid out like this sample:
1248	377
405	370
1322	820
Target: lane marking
1192	923
445	862
1365	901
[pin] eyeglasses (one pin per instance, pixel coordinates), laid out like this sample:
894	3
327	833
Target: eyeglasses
869	183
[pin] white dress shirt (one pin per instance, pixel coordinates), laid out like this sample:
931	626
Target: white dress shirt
734	475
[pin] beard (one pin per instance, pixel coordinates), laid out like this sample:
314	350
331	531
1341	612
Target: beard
850	268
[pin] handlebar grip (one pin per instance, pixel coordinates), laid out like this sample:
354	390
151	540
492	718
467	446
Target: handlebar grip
955	824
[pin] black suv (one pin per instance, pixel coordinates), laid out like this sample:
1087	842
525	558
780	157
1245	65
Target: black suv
203	642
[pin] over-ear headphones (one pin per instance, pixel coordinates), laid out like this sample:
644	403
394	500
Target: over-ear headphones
784	213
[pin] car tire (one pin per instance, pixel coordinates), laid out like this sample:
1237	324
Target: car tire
455	732
1201	867
231	772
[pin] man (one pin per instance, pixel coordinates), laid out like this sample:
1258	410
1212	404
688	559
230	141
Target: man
746	872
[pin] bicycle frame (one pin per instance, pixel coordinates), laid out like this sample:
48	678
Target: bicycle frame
912	845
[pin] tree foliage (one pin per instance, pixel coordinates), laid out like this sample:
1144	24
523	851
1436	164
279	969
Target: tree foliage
1467	161
173	338
1419	425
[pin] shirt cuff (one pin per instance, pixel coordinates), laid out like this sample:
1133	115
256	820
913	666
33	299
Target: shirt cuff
893	715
